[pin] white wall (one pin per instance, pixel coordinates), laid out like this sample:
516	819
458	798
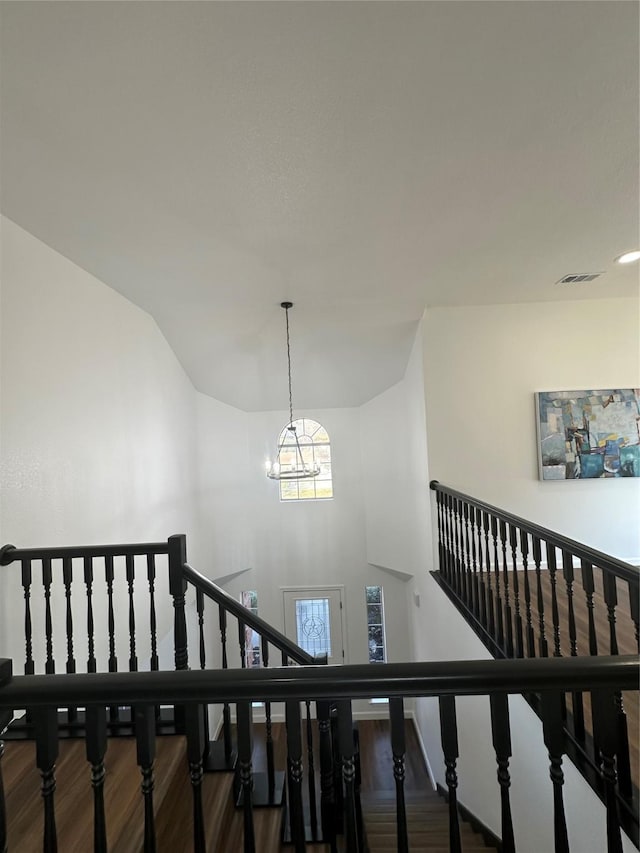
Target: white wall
482	366
98	419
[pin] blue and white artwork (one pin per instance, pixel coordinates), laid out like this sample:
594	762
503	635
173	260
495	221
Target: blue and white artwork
585	435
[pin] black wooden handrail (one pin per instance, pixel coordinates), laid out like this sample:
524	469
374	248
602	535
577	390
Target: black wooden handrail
222	597
352	681
619	568
9	553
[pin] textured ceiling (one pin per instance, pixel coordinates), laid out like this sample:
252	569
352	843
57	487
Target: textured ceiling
362	159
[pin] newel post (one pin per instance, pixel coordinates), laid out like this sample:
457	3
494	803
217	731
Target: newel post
178	588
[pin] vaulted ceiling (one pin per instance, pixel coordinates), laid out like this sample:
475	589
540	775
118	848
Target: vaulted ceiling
361	159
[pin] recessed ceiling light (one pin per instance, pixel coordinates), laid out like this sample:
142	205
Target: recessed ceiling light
628	257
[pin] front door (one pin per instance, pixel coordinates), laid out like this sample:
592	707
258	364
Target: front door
313	620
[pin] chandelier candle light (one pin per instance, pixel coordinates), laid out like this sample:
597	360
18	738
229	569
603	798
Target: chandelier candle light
289	463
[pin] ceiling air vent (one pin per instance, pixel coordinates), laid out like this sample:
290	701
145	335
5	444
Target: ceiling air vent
575	278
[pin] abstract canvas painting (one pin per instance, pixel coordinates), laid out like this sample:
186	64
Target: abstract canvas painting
584	435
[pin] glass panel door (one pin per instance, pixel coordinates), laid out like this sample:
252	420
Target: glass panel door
313	619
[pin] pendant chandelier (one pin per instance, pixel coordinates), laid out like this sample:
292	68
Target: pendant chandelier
289	463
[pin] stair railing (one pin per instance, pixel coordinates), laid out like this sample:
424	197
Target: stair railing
603	677
529	592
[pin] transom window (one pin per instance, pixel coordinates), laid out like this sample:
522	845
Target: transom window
315	448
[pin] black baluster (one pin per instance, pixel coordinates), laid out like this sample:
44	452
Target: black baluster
153	623
576	696
131	574
555	616
486	590
45	722
145	724
553	729
201	644
195	731
114	711
271	768
486	617
345	742
226	711
624	767
468	583
327	793
28	628
475	590
294	774
242	641
457	539
442	563
67	574
603	707
634	600
451	543
88	582
96	745
496	566
501	735
543	646
244	723
449	739
398	749
311	775
508	616
589	588
50	665
177	550
524	550
513	539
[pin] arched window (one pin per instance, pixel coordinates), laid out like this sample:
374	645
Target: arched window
315	447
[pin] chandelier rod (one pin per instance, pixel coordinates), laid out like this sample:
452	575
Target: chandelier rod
286	306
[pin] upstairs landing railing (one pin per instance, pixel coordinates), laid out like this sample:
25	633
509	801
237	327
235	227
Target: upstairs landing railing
531	593
603	677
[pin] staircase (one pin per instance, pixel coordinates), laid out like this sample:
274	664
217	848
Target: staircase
427	824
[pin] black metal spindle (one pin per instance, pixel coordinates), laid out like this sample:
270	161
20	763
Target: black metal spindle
552	568
543	646
311	776
27	576
45	721
327	794
294	774
603	708
501	735
96	745
449	740
508	615
554	738
131	576
519	634
398	749
47	578
195	732
496	565
576	696
245	770
153	622
346	748
88	582
145	724
524	551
